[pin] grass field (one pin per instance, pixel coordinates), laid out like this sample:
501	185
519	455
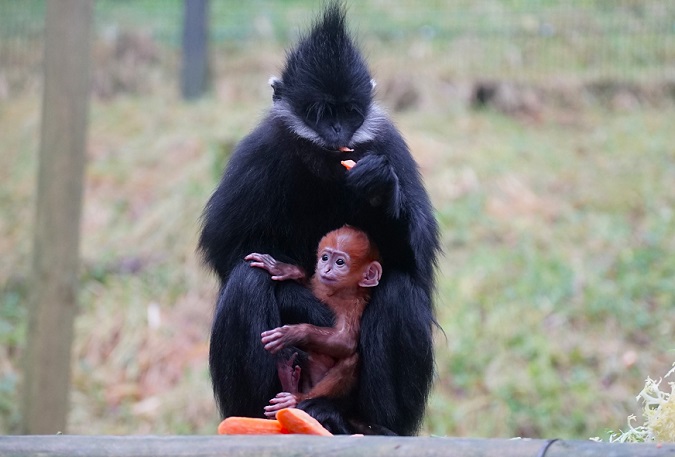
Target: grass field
556	290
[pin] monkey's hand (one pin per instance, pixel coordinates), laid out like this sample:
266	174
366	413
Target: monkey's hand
282	337
374	178
280	271
281	401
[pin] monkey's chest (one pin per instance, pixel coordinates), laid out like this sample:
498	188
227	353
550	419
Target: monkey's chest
311	209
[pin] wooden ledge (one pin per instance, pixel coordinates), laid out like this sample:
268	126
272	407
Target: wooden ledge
303	445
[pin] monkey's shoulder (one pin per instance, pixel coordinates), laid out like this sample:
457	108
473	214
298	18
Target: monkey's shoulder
259	145
261	157
387	140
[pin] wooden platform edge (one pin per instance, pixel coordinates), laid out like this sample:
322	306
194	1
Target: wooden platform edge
302	445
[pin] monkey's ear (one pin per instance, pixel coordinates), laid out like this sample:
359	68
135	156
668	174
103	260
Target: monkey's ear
277	86
371	275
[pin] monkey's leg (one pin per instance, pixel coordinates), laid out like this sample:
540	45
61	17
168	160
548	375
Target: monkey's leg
243	373
338	381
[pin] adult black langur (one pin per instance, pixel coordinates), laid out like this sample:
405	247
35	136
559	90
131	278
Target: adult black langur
283	189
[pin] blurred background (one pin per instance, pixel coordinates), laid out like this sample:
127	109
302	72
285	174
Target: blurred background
545	133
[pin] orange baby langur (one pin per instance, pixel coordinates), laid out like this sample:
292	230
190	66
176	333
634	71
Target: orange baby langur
347	267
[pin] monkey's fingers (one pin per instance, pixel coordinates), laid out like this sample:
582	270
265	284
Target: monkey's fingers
283	277
271	335
286	276
255	260
271	410
272	331
263	261
273	343
281	401
281	397
289	403
274	346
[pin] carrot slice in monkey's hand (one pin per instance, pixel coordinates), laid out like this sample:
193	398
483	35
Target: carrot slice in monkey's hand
297	421
345	149
235	425
348	164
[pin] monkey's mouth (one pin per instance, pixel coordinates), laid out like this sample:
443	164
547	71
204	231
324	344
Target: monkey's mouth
327	280
345	149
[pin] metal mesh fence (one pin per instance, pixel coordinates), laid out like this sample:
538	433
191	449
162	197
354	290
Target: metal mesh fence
509	39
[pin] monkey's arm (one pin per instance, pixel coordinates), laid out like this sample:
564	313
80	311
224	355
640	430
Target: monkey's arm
374	178
393	207
324	340
280	271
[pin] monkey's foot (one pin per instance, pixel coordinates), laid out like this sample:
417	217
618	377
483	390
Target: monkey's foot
289	374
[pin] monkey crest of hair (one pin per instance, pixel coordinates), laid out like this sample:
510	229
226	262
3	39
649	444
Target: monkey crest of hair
327	61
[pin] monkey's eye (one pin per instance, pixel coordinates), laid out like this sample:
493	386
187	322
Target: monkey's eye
315	111
352	109
324	257
340	262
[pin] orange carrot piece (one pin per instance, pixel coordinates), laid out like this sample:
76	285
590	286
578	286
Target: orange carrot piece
297	421
348	164
250	426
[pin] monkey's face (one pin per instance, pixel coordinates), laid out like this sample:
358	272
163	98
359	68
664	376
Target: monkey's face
331	101
333	267
335	122
322	112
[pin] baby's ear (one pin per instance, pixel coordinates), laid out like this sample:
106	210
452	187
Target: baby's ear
371	274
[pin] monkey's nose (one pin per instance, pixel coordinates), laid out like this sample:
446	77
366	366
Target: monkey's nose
337	128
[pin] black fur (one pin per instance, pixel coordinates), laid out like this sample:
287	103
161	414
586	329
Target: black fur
283	189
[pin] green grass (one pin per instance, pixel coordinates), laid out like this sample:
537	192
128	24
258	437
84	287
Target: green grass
558	267
555	290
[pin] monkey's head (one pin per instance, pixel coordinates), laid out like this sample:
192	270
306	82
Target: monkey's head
347	258
325	91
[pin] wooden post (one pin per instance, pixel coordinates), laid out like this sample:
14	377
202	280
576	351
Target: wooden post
53	300
194	72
